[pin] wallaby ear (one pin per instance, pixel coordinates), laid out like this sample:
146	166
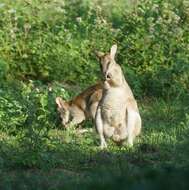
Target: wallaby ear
99	54
113	51
60	102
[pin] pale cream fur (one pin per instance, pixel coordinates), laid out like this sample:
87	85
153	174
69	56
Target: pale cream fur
117	115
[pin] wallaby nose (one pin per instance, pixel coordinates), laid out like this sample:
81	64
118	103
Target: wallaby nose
107	76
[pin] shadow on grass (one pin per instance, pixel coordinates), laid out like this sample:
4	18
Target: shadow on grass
75	167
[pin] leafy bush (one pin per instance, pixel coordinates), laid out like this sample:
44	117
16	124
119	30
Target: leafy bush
154	42
3	70
55	40
28	112
12	113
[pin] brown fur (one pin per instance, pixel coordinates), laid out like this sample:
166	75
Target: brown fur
81	107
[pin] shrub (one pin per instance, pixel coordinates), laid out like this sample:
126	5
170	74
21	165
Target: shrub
28	112
55	40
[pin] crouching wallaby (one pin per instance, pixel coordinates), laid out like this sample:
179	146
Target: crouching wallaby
117	115
83	106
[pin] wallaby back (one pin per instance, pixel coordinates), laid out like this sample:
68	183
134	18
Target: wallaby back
81	107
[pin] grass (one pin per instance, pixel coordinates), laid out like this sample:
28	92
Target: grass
71	159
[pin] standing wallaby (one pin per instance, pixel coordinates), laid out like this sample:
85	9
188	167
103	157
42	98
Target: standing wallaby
117	115
83	106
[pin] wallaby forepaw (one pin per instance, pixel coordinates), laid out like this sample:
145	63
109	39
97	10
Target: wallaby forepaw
116	138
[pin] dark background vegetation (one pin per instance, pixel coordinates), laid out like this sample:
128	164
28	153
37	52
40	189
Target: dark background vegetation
47	50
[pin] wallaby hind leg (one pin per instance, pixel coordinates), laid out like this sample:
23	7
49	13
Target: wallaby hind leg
131	125
99	128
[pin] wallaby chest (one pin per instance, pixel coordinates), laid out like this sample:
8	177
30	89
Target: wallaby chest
113	106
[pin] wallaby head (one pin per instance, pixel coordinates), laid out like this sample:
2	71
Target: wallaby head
111	71
63	108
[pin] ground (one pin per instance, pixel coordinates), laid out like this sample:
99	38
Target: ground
72	159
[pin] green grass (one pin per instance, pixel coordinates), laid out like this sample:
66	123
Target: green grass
71	159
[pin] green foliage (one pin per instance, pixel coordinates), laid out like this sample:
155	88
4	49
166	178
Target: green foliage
55	40
12	114
28	112
155	43
3	70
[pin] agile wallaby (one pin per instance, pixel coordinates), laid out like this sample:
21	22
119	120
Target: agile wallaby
83	106
117	115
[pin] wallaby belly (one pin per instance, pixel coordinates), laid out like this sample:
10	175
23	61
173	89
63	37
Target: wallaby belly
114	108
